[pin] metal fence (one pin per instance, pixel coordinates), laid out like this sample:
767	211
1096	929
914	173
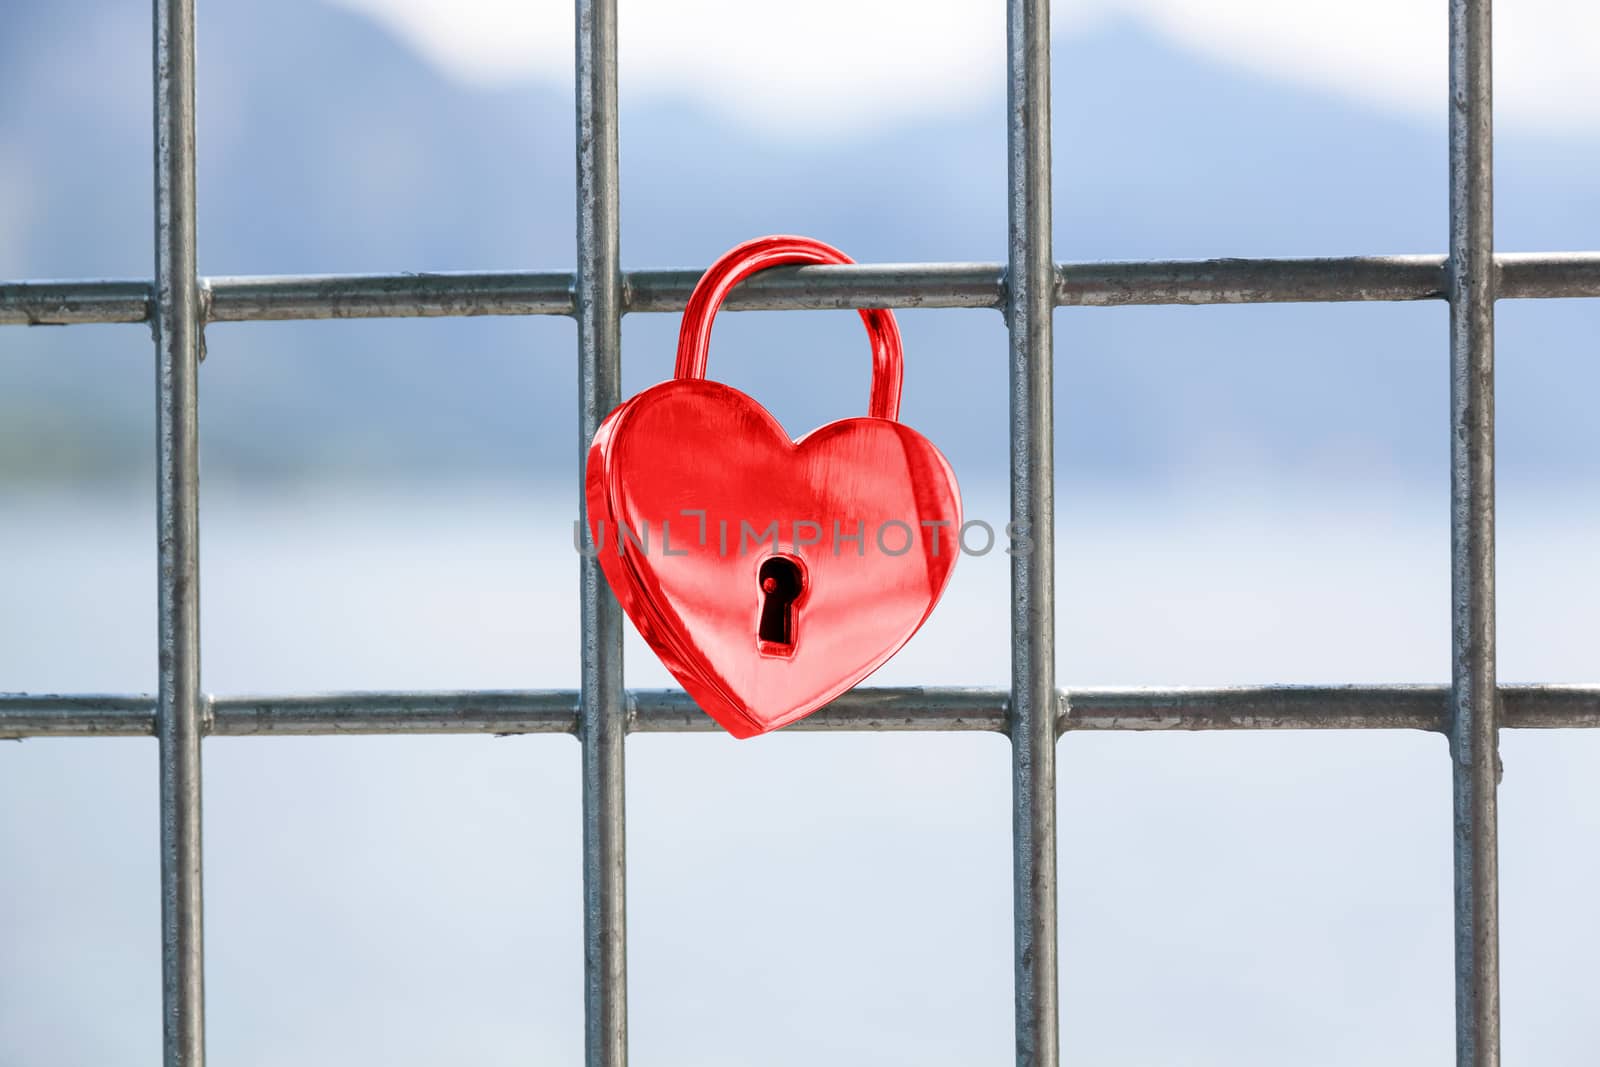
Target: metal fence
1034	712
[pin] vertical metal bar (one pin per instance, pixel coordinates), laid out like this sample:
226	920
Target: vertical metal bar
178	725
1030	300
602	702
1474	734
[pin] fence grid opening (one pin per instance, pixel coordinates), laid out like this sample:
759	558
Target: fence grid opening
1034	712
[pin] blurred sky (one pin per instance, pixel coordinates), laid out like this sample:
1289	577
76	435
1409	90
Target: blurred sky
1246	495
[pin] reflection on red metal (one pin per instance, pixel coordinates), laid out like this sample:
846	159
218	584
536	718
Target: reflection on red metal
769	575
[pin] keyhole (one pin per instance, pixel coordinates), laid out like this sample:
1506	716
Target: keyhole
781	585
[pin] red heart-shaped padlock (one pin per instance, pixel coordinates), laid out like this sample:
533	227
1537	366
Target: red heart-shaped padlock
769	575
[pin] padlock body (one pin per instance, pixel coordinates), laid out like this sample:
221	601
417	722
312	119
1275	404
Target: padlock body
692	487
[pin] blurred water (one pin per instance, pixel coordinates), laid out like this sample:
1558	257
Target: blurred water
1242	899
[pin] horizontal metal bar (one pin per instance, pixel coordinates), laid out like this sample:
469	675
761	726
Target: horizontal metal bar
1252	281
552	711
53	303
389	296
1388	707
1339	707
943	285
671	711
547	711
89	715
834	287
1547	275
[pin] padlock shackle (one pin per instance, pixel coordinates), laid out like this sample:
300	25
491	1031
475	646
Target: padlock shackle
694	336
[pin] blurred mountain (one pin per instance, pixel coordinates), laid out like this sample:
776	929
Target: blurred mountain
325	145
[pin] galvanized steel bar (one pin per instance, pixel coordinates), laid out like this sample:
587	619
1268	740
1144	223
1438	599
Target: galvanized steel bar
890	709
1251	281
822	288
1380	707
73	303
179	729
1030	304
602	709
1474	739
1547	276
368	296
933	709
546	711
24	715
914	285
